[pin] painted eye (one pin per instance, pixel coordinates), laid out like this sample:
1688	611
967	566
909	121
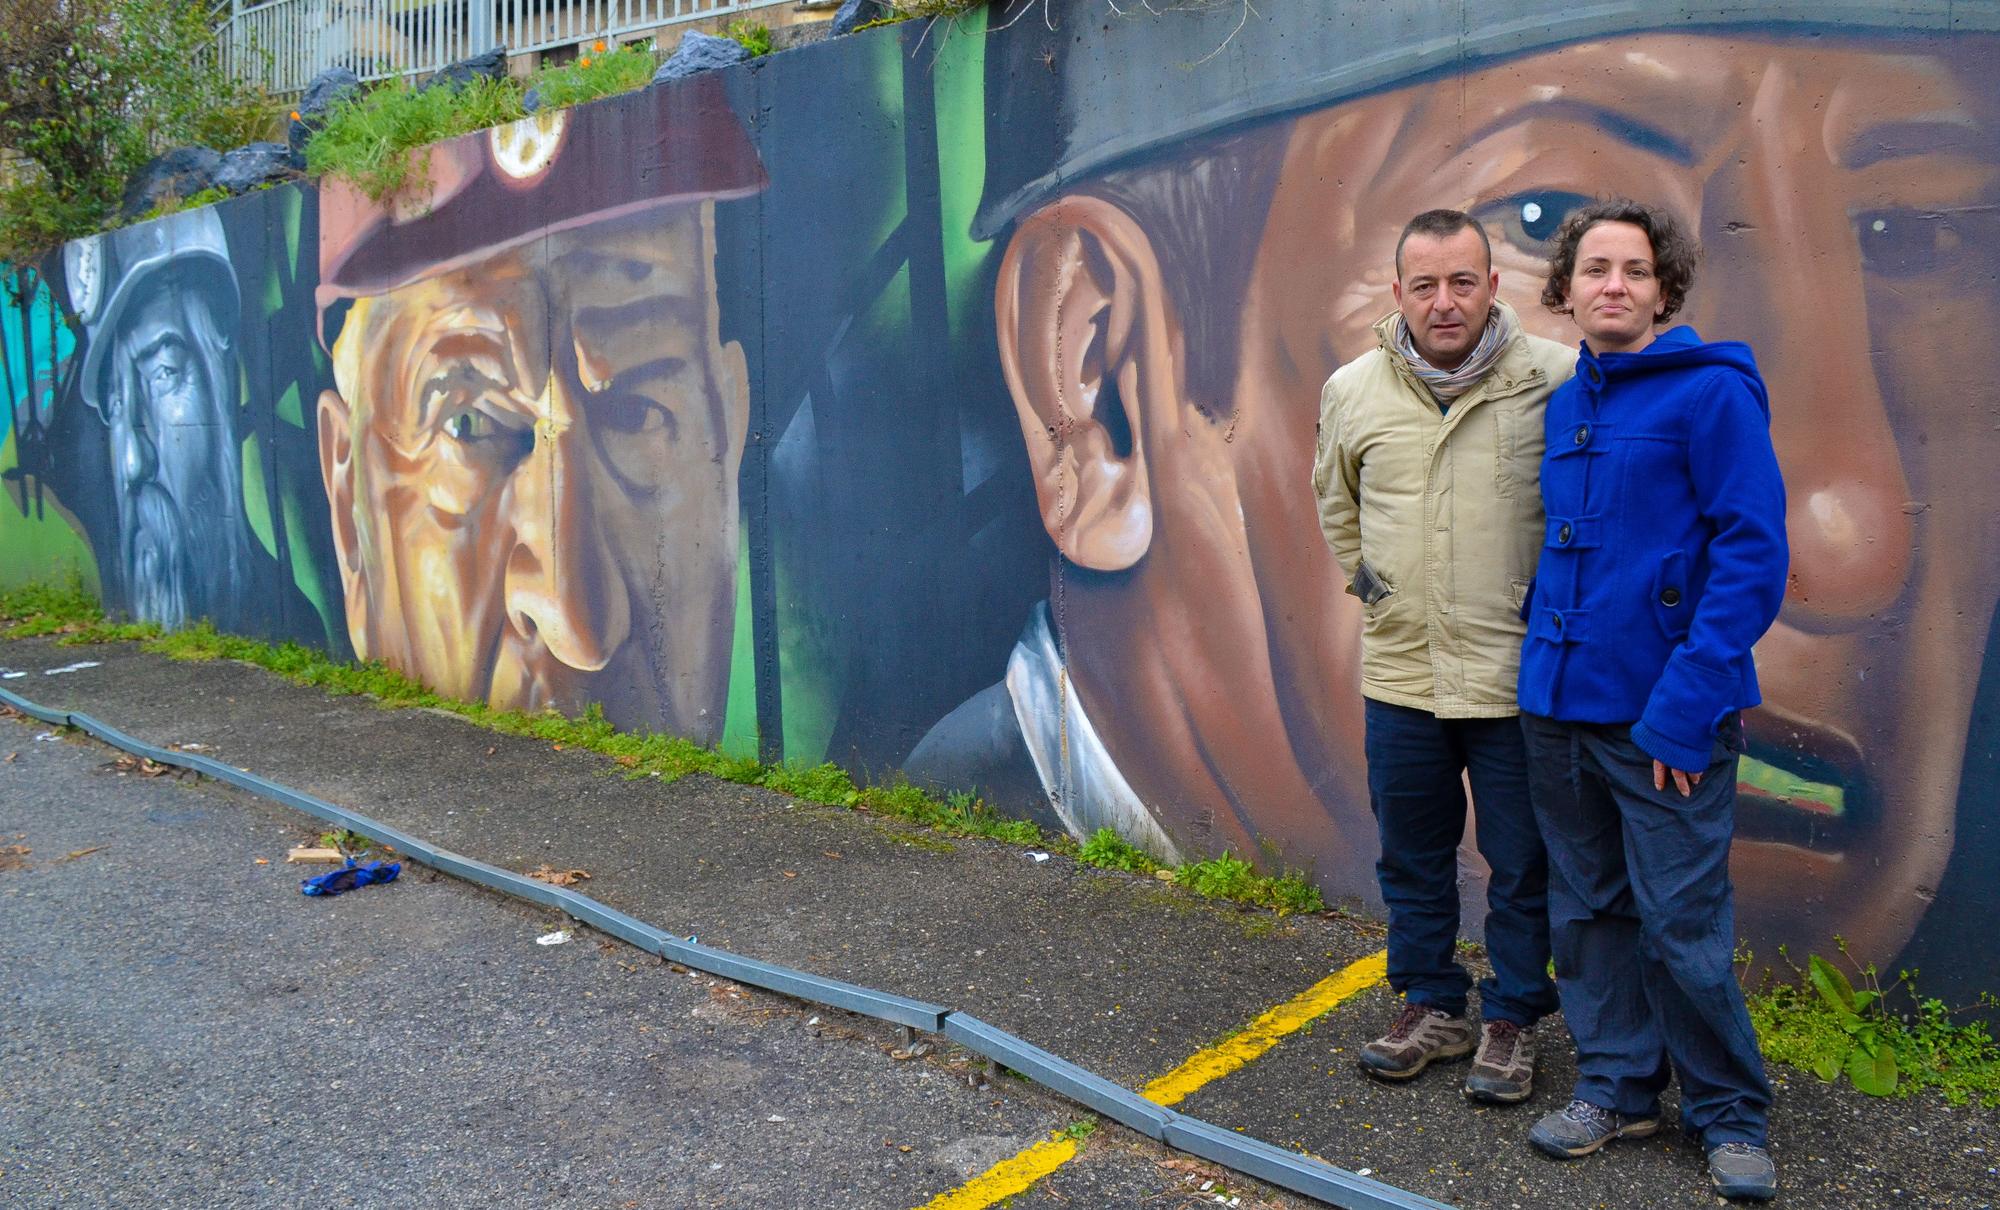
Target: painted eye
1905	243
1530	219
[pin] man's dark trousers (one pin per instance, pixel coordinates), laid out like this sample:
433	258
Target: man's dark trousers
1415	765
1644	928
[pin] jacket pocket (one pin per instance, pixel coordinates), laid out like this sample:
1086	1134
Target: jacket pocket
1517	456
1519	587
1671	607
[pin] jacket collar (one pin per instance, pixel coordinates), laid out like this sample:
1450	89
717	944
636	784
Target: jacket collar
1515	371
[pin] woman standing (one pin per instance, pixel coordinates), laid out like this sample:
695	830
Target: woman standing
1663	564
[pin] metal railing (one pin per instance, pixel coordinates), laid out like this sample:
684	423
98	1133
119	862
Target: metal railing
282	44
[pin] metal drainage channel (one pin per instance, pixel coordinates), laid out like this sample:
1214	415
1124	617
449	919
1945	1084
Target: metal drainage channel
1290	1170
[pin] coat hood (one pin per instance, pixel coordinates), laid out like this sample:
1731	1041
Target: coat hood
1676	349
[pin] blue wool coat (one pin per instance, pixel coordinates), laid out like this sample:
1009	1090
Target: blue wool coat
1665	558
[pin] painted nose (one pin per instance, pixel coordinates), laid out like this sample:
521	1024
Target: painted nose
1790	281
562	586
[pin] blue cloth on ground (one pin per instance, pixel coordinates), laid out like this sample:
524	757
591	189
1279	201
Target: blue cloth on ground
349	876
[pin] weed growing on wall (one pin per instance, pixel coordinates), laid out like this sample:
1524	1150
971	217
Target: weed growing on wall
68	612
1228	877
1826	1025
377	140
753	36
605	71
1108	850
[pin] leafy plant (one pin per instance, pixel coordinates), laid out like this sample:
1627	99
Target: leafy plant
1108	850
89	91
603	72
753	36
1870	1063
1824	1024
1230	877
379	140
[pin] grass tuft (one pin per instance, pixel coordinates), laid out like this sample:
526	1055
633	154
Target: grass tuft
601	74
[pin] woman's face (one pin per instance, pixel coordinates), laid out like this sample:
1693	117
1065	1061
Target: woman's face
1614	293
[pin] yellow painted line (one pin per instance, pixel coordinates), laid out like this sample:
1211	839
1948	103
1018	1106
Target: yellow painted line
1266	1031
1007	1177
1012	1176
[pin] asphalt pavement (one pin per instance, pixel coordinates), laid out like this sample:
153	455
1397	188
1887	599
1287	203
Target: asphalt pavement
183	1027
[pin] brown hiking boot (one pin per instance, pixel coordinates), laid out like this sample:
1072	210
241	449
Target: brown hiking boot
1418	1037
1503	1072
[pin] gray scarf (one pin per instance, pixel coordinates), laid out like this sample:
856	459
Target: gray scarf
1448	385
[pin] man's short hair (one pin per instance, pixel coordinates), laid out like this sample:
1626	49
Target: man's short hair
1204	207
1441	224
1676	252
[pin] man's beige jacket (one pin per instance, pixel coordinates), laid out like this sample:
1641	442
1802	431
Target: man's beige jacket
1445	508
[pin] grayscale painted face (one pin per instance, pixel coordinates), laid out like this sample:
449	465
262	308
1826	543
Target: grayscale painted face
173	454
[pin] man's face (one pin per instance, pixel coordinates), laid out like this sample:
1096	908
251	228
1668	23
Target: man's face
168	444
537	505
1444	287
1846	194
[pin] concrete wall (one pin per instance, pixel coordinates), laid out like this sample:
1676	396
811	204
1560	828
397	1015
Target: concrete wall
947	403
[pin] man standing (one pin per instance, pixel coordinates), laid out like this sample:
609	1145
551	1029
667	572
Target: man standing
1426	476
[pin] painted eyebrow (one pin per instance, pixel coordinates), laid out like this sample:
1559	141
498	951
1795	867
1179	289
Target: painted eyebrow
1622	126
1925	136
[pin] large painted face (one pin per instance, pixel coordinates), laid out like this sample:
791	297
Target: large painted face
171	445
1845	193
532	468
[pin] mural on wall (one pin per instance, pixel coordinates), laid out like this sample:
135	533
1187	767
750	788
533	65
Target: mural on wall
971	436
531	447
159	305
169	436
1175	258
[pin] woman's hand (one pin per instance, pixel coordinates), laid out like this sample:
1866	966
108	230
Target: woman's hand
1685	782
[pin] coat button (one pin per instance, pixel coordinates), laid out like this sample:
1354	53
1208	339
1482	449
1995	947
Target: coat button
1670	597
1583	434
1557	620
1563	534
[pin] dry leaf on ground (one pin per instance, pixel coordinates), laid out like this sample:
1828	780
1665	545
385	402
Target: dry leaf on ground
554	877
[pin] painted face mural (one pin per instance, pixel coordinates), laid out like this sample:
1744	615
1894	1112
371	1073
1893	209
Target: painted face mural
531	452
1166	319
160	306
1013	380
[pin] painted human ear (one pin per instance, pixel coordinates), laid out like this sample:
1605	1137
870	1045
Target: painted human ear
1084	331
336	468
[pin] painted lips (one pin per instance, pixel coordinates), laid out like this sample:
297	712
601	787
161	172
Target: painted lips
1801	785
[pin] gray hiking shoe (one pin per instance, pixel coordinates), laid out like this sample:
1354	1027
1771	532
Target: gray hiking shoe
1581	1128
1742	1172
1417	1038
1503	1072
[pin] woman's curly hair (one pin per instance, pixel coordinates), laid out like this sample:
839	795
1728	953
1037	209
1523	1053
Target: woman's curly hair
1676	253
